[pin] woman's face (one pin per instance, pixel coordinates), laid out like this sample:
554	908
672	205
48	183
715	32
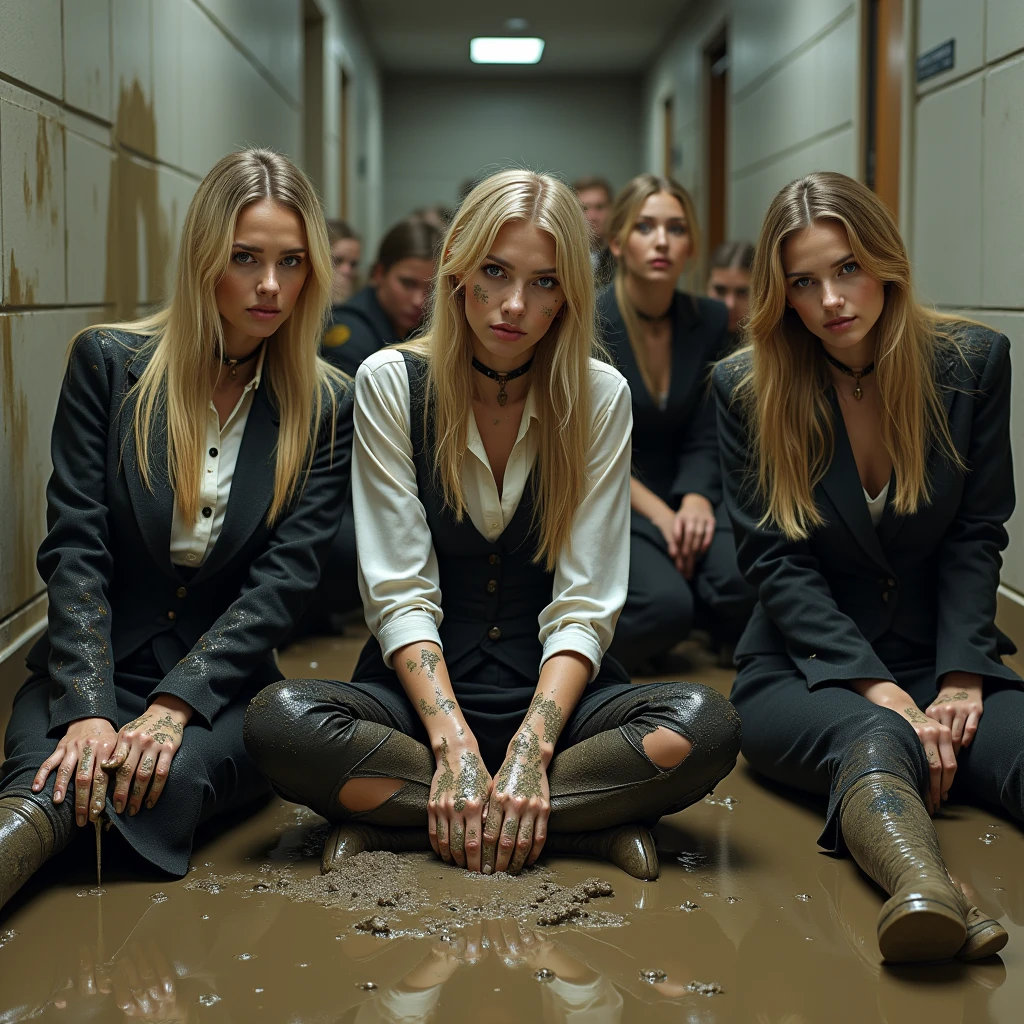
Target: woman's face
513	297
269	265
345	256
402	292
660	243
731	285
837	301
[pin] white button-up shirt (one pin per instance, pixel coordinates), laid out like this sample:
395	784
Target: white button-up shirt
398	574
191	543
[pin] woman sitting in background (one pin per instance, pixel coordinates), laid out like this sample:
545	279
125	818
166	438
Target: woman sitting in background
199	459
346	253
866	453
682	561
729	282
491	500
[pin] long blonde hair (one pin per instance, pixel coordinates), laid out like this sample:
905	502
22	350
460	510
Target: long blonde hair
186	335
561	369
625	213
785	392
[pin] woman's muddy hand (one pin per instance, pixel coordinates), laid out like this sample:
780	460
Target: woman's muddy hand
958	705
516	821
458	793
145	749
80	755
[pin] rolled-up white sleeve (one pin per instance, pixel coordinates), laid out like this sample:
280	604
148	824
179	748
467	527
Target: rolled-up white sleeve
398	577
591	576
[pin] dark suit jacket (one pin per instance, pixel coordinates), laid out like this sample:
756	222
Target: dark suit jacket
675	449
106	557
836	602
359	328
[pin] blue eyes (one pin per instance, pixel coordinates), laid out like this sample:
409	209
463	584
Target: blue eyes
646	227
546	283
844	270
244	259
498	272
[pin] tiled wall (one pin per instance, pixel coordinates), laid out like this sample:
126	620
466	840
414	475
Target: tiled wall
111	111
967	235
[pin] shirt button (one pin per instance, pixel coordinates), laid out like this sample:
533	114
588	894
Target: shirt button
492	586
494	559
809	656
207	512
213	453
191	558
494	633
181	592
494	526
172	615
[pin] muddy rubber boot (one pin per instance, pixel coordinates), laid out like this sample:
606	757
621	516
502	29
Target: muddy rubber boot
629	847
985	937
27	840
351	838
891	837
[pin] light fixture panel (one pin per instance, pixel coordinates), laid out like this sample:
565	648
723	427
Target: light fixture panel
505	50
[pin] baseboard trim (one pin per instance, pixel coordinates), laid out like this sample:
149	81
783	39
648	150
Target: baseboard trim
21	627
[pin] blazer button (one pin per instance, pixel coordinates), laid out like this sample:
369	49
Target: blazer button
492	586
890	583
207	512
172	615
885	596
181	592
494	633
809	656
494	559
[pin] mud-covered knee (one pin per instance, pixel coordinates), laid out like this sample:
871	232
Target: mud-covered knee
274	717
707	719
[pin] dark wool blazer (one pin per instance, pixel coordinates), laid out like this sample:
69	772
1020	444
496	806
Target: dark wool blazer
838	600
106	558
675	449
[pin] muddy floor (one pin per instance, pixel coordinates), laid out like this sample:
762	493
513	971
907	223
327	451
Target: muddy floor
748	923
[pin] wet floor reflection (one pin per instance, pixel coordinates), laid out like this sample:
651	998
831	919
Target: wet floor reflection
749	923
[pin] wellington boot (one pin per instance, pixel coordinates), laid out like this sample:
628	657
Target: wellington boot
629	847
891	837
985	937
356	837
27	840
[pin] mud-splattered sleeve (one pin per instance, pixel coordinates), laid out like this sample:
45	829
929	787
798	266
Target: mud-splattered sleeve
75	560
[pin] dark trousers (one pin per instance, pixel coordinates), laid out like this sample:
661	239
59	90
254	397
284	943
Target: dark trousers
211	773
821	741
662	606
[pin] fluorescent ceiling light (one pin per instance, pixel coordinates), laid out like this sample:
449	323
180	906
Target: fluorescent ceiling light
505	50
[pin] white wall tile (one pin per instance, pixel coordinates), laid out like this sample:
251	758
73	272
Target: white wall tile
1004	28
962	20
91	235
1002	192
33	207
133	74
946	245
30	44
87	56
808	96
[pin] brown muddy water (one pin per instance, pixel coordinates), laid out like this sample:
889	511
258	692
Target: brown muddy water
748	923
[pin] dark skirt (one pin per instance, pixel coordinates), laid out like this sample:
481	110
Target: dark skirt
211	773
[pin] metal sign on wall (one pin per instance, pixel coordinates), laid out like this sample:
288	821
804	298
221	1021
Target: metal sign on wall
936	60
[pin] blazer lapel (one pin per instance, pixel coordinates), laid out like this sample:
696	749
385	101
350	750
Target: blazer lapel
841	483
252	486
153	505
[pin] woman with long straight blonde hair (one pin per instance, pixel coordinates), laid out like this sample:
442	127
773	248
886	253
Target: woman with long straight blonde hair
491	497
200	461
866	456
682	559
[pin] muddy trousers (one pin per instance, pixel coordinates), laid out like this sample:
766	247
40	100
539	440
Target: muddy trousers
821	741
311	736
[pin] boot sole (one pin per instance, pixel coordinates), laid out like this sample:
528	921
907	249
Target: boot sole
919	930
985	939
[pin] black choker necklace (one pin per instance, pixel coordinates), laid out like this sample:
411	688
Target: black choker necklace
234	364
502	378
858	391
655	319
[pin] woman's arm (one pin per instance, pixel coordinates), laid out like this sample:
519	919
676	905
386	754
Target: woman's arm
643	500
281	581
824	643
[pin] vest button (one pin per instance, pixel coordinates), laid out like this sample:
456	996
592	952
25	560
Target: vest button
181	592
494	559
172	615
494	633
207	512
492	586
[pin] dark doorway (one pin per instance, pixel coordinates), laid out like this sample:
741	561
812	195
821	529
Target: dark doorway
883	98
669	136
313	93
344	140
716	64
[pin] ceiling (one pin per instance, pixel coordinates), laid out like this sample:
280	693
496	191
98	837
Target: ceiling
581	36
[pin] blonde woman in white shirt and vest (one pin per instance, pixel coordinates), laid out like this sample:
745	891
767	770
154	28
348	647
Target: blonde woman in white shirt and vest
491	496
200	460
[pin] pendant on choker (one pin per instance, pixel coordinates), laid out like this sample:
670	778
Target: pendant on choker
234	364
502	378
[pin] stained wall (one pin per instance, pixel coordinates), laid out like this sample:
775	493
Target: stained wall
111	111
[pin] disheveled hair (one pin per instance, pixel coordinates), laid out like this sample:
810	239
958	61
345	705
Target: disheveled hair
561	369
186	336
625	213
785	392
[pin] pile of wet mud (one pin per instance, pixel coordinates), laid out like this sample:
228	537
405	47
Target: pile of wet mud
384	890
